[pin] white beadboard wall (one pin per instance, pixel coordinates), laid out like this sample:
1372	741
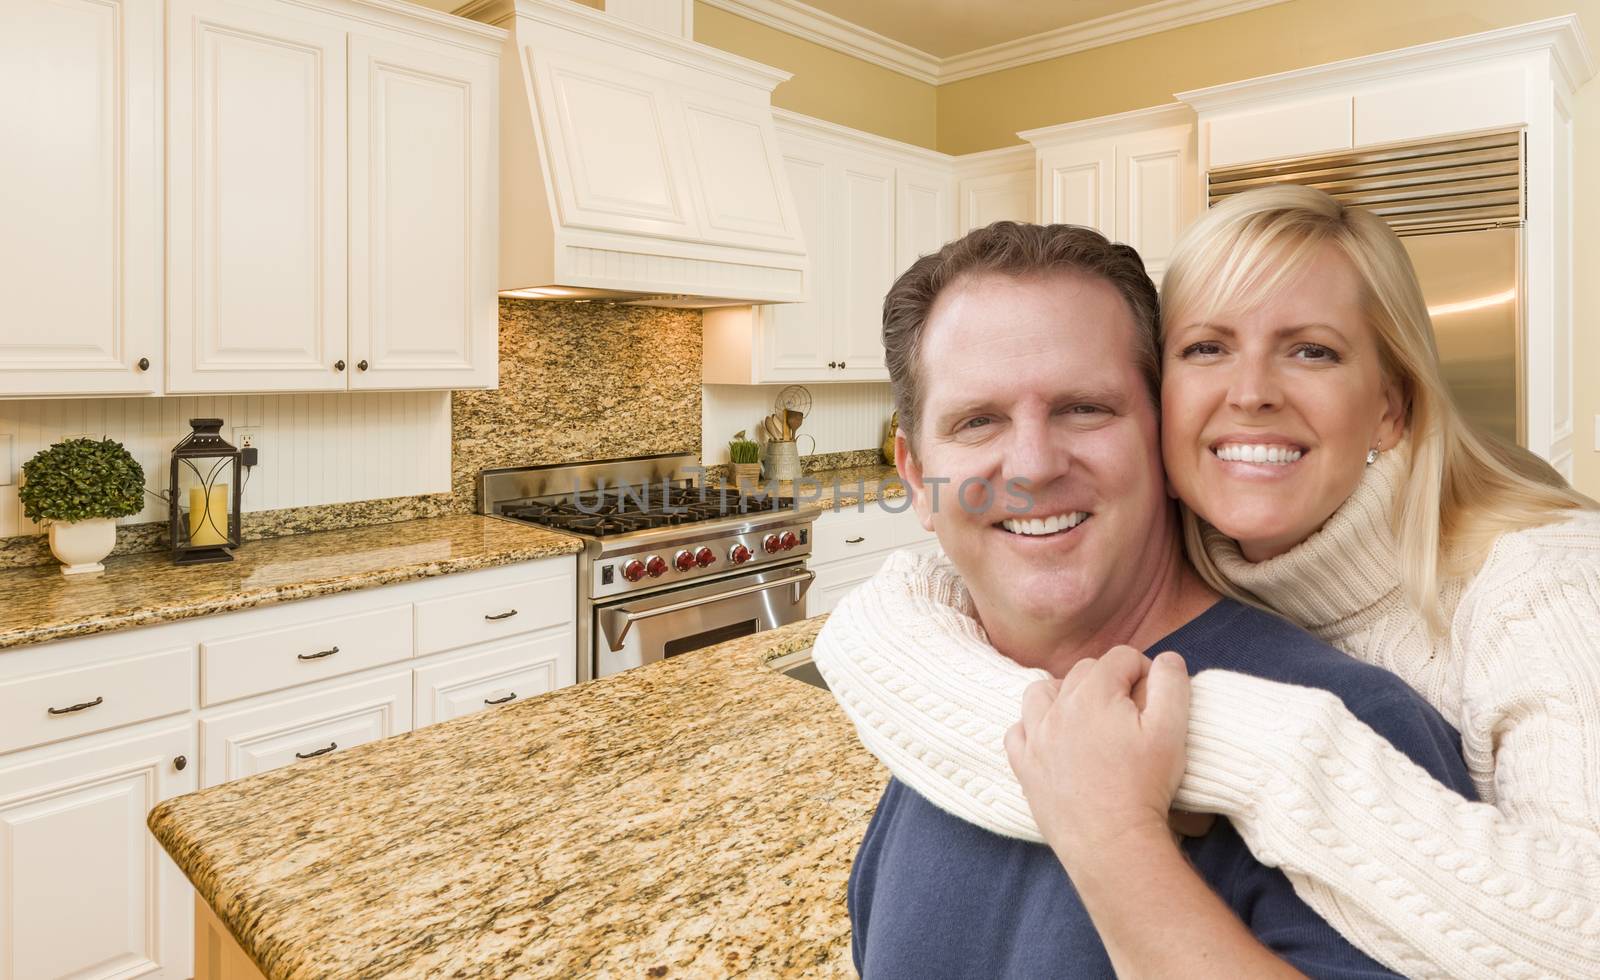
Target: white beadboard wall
843	416
315	449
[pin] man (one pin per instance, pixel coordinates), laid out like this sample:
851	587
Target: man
1024	363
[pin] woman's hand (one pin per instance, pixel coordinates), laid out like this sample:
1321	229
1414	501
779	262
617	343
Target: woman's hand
1098	767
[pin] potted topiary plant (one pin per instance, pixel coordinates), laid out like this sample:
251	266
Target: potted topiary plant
746	458
81	487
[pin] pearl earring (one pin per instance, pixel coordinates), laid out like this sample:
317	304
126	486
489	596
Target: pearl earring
1372	455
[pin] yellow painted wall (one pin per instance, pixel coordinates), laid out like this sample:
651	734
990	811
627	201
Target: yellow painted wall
985	112
827	84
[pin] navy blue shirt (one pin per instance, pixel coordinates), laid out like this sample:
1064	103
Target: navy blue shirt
934	896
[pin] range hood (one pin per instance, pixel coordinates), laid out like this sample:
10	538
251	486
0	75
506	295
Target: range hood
636	166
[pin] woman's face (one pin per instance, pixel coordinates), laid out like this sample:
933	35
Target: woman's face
1268	413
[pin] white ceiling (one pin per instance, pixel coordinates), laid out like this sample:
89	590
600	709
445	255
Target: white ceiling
945	28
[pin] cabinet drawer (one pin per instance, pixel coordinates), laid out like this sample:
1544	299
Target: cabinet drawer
512	672
39	709
254	663
254	740
490	614
848	534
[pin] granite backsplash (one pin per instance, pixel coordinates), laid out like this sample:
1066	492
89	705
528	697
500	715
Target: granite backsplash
577	381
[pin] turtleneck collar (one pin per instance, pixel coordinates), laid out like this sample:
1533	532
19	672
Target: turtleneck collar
1347	566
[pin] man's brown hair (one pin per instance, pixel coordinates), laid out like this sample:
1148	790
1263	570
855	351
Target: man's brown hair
1008	248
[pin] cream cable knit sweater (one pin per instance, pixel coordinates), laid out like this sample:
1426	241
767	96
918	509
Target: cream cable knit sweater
1432	885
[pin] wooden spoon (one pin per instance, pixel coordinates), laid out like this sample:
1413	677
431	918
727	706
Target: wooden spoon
793	418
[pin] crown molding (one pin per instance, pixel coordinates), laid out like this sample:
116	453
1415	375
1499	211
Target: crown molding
804	21
1560	37
820	27
1139	120
1152	18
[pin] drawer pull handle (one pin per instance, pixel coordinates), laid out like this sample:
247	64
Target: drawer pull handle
497	616
316	656
509	697
854	540
313	755
76	707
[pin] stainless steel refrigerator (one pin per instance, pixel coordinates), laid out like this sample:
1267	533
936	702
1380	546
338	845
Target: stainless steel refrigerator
1457	205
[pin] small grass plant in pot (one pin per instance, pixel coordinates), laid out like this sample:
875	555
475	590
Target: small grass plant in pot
746	458
81	487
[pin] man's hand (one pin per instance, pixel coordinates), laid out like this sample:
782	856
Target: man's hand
1100	771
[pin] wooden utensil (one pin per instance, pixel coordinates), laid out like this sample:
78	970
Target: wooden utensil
793	418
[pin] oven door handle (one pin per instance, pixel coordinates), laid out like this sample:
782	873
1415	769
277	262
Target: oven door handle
616	622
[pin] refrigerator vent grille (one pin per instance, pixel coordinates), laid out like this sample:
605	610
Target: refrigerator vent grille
1419	188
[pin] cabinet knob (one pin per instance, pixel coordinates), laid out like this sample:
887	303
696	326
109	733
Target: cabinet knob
362	364
338	365
833	364
841	365
180	763
144	363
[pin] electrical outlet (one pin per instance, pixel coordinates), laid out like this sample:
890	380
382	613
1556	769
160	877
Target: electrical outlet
8	472
1597	433
247	437
75	435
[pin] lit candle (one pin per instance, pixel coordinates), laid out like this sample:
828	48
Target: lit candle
208	516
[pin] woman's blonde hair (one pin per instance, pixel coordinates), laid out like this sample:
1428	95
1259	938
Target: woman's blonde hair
1464	487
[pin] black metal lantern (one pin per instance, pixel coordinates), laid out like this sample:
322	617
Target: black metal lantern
204	496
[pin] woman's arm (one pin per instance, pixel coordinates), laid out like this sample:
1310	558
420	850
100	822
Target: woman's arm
1408	870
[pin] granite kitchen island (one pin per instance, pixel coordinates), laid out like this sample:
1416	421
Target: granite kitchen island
696	817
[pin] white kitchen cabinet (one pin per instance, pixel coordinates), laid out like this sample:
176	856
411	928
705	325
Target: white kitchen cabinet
256	184
282	729
80	188
332	194
868	208
1132	176
424	230
85	890
924	214
995	185
504	673
1276	131
849	546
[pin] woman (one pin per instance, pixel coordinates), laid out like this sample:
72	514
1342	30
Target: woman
1324	473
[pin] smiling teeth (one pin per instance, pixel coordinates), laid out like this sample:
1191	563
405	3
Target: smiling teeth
1242	453
1046	525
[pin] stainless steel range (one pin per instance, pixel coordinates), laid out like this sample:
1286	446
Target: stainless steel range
668	564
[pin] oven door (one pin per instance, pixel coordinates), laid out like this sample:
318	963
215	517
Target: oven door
632	631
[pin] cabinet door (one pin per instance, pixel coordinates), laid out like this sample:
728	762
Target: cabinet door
737	166
836	580
1078	186
85	890
423	225
286	729
80	189
996	197
924	215
256	181
1156	193
863	258
796	338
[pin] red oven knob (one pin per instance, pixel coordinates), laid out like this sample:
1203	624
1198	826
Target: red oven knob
655	565
633	571
738	554
789	540
683	561
705	557
772	544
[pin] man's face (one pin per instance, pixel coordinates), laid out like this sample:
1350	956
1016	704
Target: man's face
1034	380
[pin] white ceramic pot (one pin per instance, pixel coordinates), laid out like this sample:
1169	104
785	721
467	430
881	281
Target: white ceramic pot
82	544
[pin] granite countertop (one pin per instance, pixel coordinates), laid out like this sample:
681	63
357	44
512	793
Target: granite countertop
695	817
139	590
